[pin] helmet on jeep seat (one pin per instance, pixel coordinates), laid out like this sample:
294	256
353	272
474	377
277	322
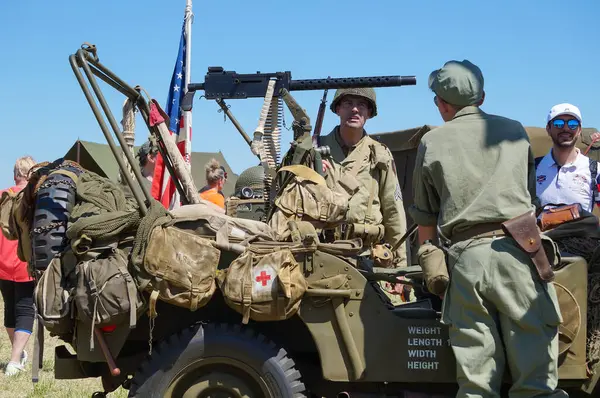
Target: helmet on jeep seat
367	93
250	184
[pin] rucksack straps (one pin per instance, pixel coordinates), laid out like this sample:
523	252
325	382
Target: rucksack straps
594	174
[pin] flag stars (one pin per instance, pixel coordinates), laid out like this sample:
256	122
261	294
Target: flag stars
176	88
180	76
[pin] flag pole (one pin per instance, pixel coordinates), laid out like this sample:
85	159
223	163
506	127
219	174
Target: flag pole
187	115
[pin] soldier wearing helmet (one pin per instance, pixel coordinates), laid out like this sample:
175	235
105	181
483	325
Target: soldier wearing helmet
376	211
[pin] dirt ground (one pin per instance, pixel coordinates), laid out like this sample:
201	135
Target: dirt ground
21	385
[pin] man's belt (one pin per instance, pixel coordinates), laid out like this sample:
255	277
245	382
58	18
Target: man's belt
486	230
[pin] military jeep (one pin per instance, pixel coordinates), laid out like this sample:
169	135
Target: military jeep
345	340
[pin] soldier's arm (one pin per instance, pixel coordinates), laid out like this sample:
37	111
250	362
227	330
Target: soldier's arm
392	209
531	180
426	201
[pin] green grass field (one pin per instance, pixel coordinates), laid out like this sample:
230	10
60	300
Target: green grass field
21	385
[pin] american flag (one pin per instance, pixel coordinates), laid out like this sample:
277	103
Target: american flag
163	188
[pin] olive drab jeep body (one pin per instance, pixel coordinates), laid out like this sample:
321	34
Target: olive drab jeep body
303	317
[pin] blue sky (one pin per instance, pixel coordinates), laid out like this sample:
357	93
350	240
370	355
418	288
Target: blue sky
533	55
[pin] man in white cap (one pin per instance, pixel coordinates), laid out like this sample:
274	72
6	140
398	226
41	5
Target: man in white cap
565	175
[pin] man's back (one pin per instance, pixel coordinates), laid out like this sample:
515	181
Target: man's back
479	163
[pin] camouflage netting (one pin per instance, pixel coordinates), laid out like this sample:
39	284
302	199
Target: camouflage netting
588	248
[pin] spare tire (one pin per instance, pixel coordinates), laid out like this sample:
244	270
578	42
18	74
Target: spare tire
54	201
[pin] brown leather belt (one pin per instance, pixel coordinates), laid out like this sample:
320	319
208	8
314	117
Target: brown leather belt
486	230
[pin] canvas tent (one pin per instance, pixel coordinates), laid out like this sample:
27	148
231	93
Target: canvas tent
98	158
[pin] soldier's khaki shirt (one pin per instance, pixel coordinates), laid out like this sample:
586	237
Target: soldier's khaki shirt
476	168
387	206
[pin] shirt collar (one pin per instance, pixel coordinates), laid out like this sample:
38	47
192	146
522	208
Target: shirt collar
345	148
549	158
468	110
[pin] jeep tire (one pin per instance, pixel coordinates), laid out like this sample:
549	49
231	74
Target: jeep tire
54	201
217	360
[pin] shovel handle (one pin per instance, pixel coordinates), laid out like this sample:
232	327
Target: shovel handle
112	366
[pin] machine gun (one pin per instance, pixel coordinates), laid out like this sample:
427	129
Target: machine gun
222	84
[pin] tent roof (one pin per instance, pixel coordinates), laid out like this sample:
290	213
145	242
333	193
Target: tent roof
98	158
403	140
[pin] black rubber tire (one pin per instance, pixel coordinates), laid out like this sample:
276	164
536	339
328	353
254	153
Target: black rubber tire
54	201
210	346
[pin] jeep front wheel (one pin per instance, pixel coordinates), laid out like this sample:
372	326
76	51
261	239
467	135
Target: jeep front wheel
217	361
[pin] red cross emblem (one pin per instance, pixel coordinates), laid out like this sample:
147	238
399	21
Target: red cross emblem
263	278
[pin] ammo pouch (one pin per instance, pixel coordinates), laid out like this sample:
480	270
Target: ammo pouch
54	293
523	229
182	268
264	287
307	198
553	217
106	293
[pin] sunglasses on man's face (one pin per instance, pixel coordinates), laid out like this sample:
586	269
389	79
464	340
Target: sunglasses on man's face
560	123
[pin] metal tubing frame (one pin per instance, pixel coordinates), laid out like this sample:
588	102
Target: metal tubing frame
92	67
233	120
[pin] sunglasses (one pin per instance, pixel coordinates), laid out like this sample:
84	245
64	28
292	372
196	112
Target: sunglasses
560	123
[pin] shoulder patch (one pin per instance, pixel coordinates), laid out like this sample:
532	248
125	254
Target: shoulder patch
398	192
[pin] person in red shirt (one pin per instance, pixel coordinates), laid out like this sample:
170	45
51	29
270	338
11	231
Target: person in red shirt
216	176
16	285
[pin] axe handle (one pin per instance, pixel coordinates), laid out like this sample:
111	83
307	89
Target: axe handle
112	366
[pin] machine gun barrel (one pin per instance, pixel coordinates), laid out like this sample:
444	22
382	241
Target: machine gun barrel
352	82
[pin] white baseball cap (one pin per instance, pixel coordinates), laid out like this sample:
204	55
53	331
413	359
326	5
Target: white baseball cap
564	109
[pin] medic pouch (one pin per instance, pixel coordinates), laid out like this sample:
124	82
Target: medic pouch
264	284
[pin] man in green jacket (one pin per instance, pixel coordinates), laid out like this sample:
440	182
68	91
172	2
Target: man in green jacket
376	210
472	174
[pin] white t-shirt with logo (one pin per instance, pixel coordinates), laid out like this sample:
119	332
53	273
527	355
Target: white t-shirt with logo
568	184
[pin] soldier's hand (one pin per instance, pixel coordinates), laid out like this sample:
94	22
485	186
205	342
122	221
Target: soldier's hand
402	289
326	166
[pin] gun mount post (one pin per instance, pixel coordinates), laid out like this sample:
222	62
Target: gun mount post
237	125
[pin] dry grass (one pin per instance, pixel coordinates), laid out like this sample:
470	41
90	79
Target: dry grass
21	385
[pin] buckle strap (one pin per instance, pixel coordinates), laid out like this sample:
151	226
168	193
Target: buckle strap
485	230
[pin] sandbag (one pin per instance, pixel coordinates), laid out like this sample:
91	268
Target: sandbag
54	295
106	293
181	268
264	287
307	197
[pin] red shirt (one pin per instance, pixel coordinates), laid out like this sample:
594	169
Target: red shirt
11	268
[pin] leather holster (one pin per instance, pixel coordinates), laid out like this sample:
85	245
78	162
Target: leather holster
555	216
524	230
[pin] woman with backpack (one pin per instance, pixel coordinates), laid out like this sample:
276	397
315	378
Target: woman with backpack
16	285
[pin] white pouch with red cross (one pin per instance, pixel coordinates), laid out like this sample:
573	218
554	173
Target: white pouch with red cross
263	286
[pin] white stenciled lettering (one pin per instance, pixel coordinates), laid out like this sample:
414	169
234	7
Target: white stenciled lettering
425	342
424	330
422	354
422	365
